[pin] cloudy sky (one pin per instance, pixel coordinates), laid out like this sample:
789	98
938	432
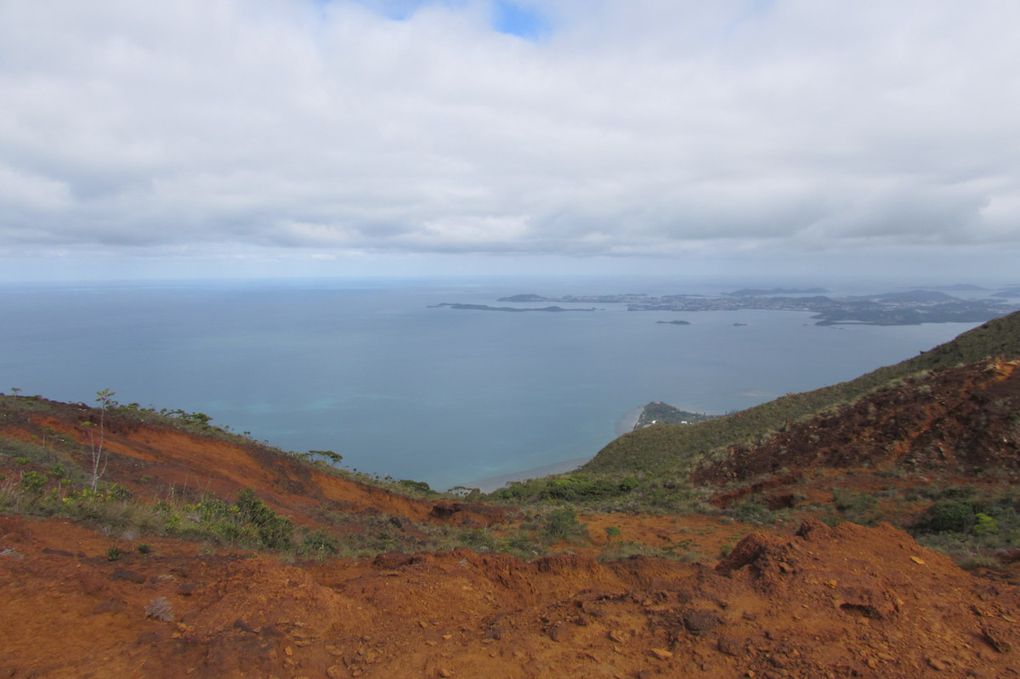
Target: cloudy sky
197	137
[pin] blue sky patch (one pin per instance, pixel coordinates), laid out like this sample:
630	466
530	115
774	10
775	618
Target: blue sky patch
398	10
508	16
514	19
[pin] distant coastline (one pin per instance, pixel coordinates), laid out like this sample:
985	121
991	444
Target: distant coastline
510	309
913	307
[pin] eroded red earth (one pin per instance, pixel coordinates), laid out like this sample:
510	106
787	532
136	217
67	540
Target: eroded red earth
825	602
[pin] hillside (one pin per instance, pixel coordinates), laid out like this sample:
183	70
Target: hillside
673	449
930	444
181	455
828	545
964	420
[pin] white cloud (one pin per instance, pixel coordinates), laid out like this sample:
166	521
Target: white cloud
644	126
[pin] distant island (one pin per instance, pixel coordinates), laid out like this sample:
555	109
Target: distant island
754	292
626	298
958	287
673	322
658	412
911	307
511	309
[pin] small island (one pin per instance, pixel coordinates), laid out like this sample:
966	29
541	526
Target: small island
658	412
673	322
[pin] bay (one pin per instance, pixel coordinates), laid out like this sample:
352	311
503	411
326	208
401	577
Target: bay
447	396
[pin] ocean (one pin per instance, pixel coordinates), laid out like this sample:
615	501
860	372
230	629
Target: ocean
447	396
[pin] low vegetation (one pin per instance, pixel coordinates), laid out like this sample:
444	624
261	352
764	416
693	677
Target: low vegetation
606	492
972	526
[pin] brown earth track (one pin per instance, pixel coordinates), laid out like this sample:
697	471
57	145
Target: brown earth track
849	601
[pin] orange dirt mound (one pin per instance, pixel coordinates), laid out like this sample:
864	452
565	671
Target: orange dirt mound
838	602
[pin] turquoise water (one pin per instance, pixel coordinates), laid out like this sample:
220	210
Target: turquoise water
442	395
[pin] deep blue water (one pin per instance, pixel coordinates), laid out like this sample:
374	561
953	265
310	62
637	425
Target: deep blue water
441	395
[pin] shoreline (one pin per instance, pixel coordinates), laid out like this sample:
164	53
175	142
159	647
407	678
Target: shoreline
623	425
629	420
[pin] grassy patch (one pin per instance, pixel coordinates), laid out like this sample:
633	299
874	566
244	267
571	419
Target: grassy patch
598	492
752	510
857	507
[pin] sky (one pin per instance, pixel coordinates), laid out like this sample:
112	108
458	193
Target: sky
247	138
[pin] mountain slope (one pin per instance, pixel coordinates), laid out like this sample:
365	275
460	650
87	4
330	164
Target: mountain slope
675	448
154	456
964	420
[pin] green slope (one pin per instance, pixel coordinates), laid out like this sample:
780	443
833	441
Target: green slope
672	449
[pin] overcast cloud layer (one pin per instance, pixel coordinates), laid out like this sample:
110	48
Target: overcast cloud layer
606	128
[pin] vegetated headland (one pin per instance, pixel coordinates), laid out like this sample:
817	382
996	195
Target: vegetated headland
820	534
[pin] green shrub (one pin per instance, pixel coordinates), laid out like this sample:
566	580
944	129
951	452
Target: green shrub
115	491
562	524
752	511
582	487
33	482
114	554
319	543
479	540
274	531
857	507
417	486
985	524
949	516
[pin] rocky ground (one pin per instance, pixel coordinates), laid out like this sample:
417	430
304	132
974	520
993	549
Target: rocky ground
823	602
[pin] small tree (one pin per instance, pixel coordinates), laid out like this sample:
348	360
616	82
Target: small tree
15	391
104	397
332	456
